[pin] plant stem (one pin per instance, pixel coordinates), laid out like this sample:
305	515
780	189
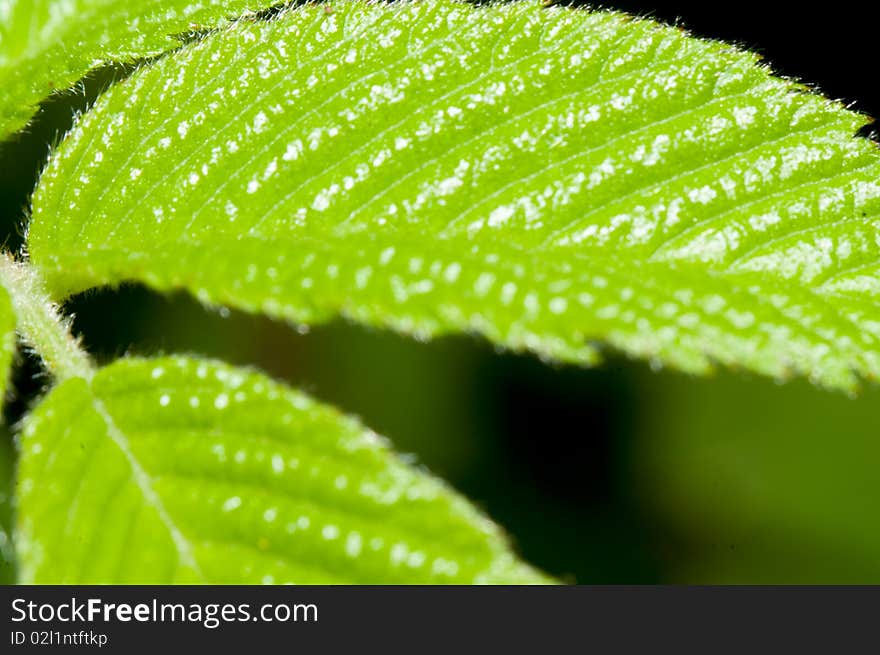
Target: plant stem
40	324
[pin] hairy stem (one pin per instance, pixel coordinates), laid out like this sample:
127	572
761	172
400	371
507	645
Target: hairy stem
40	324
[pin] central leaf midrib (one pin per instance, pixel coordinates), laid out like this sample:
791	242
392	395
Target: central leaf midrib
142	479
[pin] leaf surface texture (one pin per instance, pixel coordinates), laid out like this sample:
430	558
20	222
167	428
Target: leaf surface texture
47	45
179	470
552	179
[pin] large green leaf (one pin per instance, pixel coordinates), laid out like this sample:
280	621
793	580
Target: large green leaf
546	177
180	470
46	45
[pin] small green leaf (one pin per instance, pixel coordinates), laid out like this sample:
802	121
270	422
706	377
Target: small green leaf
46	45
549	178
178	470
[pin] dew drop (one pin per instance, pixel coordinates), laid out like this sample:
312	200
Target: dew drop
233	502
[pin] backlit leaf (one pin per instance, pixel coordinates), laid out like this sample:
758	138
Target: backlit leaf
179	470
46	45
549	178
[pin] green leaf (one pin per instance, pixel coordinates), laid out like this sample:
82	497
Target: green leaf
7	449
7	491
7	338
179	470
46	46
548	178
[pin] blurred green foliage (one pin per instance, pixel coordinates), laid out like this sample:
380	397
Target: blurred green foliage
763	483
